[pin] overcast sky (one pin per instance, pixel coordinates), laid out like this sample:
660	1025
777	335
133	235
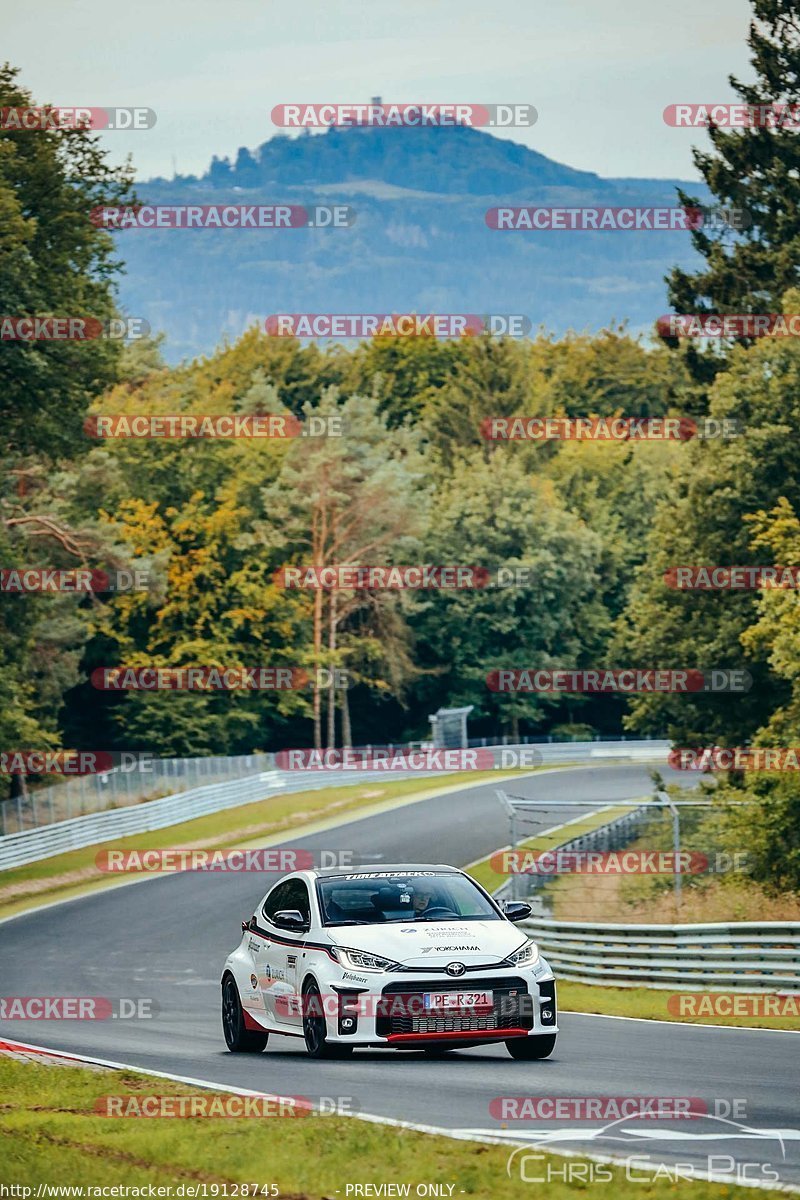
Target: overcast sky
599	73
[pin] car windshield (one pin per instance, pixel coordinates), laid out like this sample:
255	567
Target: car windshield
379	897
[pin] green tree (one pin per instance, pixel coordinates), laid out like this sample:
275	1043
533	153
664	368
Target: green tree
495	515
755	169
56	261
705	522
358	499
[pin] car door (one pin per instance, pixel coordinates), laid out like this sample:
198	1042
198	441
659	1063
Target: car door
280	963
296	897
272	961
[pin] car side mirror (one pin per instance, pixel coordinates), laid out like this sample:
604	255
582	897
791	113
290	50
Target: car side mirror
516	910
290	918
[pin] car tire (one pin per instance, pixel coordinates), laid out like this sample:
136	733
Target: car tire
528	1048
315	1028
238	1038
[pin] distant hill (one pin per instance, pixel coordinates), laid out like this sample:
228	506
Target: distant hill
419	242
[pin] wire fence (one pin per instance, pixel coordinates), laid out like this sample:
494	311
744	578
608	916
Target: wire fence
652	859
124	785
139	778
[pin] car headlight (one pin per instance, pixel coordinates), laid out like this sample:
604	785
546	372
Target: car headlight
526	956
361	960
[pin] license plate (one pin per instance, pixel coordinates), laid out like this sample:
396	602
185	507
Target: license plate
450	1000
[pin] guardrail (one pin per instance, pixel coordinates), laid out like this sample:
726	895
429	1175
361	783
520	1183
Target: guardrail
29	845
748	955
145	778
612	835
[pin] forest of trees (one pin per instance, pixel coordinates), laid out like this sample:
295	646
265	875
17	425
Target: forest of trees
411	481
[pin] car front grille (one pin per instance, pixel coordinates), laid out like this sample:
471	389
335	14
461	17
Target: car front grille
400	1009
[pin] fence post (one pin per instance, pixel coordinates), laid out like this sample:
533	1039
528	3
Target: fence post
676	846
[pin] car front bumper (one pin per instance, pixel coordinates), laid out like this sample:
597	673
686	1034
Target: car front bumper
392	1012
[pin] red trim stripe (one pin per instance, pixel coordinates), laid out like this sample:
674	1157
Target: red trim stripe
463	1035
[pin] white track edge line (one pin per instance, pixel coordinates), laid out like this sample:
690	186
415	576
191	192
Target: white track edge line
467	1135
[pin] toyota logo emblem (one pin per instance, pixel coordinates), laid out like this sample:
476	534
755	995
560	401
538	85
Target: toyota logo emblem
455	968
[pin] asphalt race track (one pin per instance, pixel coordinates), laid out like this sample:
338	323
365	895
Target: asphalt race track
167	939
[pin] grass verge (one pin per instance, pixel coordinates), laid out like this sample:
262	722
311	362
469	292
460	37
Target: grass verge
49	1134
651	1004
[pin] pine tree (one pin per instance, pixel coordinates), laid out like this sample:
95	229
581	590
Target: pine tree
755	169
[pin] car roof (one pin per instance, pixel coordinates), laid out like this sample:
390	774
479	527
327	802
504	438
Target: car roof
384	869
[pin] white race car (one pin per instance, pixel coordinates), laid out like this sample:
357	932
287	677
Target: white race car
411	957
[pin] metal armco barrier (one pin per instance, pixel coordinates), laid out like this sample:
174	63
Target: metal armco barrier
16	849
746	955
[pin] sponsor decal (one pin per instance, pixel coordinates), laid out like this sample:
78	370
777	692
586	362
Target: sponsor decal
444	949
390	874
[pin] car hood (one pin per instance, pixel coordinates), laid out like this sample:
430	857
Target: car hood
425	943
